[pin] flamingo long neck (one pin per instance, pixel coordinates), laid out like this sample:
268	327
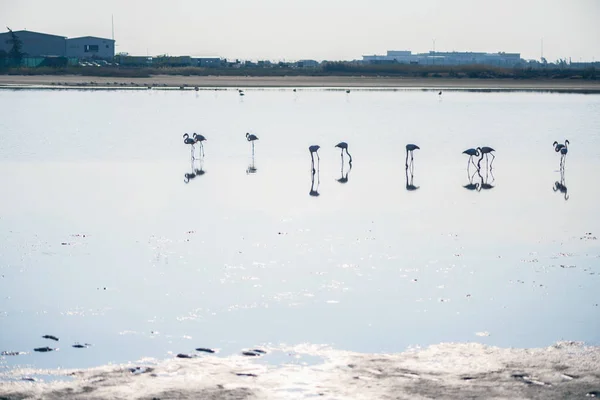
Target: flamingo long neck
479	162
349	156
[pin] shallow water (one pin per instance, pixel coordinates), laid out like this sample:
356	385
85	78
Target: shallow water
102	241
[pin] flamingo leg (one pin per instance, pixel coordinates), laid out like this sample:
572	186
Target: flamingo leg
493	158
406	162
349	156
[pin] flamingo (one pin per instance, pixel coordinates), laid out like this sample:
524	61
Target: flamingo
558	146
485	151
472	153
241	92
563	149
251	138
314	150
199	139
410	148
190	141
344	146
348	91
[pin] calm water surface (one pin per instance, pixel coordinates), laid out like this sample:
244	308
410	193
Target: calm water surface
102	241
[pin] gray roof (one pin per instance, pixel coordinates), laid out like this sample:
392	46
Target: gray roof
35	33
91	37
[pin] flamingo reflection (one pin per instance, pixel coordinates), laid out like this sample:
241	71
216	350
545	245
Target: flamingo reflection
314	191
197	169
485	184
562	185
251	167
344	177
409	182
471	185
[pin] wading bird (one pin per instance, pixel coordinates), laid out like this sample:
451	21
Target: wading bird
314	150
251	138
485	151
410	148
563	149
472	153
199	139
188	140
241	92
344	146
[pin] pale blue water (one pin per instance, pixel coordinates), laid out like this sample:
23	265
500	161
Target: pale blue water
233	260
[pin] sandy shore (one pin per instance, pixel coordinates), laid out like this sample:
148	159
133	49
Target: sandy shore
70	81
444	371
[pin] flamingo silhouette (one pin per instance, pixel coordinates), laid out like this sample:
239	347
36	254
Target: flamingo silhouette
344	146
563	149
199	139
251	138
472	153
410	148
484	152
188	140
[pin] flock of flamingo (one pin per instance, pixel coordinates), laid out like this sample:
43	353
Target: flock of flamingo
481	152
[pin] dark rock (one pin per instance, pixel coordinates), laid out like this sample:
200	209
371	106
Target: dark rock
181	355
243	374
43	349
205	350
51	337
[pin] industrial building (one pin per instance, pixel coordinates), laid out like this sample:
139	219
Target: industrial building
35	44
445	58
91	47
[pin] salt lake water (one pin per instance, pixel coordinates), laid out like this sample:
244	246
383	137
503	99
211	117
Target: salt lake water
103	240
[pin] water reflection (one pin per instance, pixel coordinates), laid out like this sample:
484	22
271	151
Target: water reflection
314	191
344	177
251	167
197	169
409	182
486	184
471	185
562	185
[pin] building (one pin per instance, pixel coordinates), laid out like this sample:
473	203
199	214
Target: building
208	62
35	44
445	58
90	47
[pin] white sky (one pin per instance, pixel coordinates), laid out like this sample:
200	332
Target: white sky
320	29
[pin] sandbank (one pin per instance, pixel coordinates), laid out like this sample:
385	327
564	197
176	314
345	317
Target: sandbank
340	82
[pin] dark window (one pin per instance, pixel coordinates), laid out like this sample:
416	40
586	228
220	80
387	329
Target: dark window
90	48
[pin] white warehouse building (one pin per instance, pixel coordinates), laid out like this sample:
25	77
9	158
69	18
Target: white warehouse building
91	47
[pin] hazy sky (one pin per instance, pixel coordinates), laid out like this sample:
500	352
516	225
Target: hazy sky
320	29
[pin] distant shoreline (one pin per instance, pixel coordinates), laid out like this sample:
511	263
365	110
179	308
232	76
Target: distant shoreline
341	82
